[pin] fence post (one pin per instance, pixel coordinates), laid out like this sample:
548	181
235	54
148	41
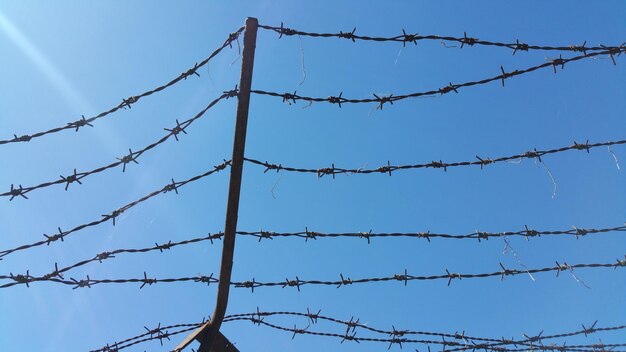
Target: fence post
209	336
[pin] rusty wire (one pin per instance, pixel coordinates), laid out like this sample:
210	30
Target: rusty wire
481	161
461	340
173	186
404	277
123	161
408	38
128	102
313	235
391	98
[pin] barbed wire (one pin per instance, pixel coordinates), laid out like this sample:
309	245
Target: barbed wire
388	169
399	340
353	323
173	186
27	279
128	102
479	235
395	336
405	277
535	154
391	98
123	161
408	38
158	333
112	254
461	339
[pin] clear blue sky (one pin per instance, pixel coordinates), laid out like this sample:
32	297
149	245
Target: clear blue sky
61	59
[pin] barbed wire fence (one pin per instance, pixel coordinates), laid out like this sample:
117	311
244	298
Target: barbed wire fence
348	332
348	329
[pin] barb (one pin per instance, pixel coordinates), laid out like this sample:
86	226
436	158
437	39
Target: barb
298	283
130	157
115	213
468	342
128	102
380	100
408	38
532	154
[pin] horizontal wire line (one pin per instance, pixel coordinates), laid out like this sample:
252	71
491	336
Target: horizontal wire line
297	283
478	235
131	157
407	38
128	102
481	161
382	100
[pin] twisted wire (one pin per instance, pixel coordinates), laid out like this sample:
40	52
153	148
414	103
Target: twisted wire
353	323
408	38
128	102
481	161
173	186
400	340
391	98
479	235
123	161
396	336
58	272
320	172
404	278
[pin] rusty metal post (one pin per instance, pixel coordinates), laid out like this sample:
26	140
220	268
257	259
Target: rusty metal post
209	336
232	210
